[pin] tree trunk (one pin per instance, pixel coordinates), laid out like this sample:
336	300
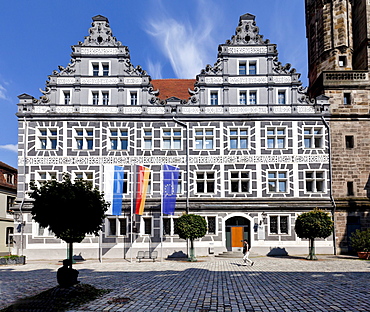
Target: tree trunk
70	256
192	256
312	255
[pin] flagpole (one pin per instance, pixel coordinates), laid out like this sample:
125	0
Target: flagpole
161	220
132	207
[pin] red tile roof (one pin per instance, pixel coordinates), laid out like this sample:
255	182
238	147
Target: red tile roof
173	87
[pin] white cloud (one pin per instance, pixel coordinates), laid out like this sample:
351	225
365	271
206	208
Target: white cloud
154	69
186	45
10	147
2	92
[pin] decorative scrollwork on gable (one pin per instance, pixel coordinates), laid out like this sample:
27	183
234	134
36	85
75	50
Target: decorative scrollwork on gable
133	71
303	96
213	70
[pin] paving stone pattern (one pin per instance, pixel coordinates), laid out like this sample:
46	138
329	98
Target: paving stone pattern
211	284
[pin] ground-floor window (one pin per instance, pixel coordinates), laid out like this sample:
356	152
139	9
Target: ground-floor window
117	226
211	224
147	226
279	224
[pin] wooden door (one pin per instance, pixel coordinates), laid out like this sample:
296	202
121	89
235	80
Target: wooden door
237	236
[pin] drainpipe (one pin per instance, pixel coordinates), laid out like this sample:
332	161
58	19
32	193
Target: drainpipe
331	184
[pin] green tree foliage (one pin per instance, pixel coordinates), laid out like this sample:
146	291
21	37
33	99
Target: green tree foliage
69	210
360	240
314	224
191	226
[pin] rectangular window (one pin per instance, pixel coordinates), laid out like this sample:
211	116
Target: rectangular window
147	136
252	68
9	203
9	236
44	176
95	98
84	175
252	97
105	96
239	181
211	224
95	69
313	137
67	97
204	138
166	226
112	227
41	231
315	181
279	225
238	138
147	226
347	98
276	137
350	141
281	97
242	68
119	139
342	61
105	69
205	182
48	138
133	98
171	138
277	182
9	178
214	97
350	189
243	97
84	139
117	227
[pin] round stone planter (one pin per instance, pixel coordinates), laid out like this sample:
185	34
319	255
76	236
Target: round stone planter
364	254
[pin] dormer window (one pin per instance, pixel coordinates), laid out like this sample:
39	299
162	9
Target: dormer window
67	97
99	69
214	97
133	98
281	97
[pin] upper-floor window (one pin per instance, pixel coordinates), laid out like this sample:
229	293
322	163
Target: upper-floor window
100	97
239	181
238	138
118	139
214	97
252	68
44	176
242	68
350	141
67	97
133	98
205	182
99	69
347	98
315	181
147	135
48	138
105	96
252	97
247	67
342	61
9	177
281	97
204	138
9	203
313	137
350	189
243	97
95	98
276	137
171	138
277	181
84	138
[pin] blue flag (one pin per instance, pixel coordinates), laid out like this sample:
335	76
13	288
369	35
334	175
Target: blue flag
117	190
170	182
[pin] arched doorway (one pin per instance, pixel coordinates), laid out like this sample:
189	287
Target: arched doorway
237	229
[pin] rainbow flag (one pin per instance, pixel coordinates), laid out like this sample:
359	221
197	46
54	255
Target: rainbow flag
142	182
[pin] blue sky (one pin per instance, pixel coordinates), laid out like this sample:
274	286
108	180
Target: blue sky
168	38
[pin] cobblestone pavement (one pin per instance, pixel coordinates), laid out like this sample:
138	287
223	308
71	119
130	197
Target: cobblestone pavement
211	284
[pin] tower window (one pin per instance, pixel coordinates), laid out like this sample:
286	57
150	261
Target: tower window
347	98
350	141
350	191
342	61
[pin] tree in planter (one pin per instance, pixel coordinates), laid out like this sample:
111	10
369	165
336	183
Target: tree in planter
360	242
69	210
314	224
191	226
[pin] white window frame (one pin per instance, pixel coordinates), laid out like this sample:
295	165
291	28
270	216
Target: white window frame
211	93
62	96
277	179
239	179
100	64
119	137
312	136
238	136
276	136
285	90
128	98
48	137
204	181
118	233
204	136
42	176
85	137
172	225
216	224
46	233
145	136
248	62
315	179
172	137
85	175
142	226
100	93
279	224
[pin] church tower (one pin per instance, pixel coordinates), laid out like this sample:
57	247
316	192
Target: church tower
338	36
